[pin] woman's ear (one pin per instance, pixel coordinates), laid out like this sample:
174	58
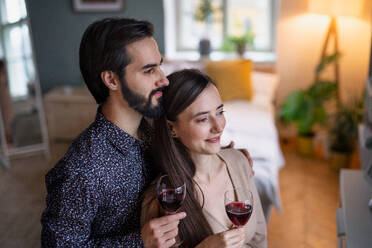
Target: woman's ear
171	129
110	79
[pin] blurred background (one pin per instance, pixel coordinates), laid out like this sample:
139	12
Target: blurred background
294	76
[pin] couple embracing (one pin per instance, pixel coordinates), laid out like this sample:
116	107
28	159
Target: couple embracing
102	193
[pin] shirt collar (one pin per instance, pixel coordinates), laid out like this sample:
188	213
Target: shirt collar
118	137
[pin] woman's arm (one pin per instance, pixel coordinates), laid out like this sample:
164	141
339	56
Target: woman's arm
230	238
260	237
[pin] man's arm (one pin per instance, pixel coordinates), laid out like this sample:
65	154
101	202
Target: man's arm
72	204
127	240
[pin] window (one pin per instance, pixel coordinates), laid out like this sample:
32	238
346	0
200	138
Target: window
16	46
229	18
191	31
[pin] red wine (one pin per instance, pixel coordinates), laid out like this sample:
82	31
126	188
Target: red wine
239	212
170	200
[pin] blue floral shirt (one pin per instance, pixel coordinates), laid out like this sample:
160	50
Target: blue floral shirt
94	191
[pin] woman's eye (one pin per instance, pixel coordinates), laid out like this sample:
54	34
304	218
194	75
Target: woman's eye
202	120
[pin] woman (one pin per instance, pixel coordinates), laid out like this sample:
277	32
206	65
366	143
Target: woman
187	148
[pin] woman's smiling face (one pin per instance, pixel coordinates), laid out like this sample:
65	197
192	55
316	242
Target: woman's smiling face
200	125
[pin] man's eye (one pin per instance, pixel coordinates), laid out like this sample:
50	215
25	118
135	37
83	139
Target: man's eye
221	112
150	71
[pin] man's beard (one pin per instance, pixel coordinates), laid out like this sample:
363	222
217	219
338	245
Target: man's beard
140	103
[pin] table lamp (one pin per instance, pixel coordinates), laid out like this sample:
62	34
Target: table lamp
334	9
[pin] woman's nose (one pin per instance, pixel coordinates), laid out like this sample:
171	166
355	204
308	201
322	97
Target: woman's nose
218	126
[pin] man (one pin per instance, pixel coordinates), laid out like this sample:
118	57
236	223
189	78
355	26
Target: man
94	190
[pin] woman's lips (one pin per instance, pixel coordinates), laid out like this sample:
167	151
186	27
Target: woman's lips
213	140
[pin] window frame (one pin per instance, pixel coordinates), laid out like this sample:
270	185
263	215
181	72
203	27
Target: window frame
24	58
273	20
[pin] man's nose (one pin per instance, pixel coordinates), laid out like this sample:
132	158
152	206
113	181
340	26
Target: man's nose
163	80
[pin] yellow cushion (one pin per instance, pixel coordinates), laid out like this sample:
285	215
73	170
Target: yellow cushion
233	78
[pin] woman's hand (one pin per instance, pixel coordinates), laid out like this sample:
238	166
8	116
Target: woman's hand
228	239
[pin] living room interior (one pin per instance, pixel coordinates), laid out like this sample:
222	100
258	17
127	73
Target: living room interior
294	77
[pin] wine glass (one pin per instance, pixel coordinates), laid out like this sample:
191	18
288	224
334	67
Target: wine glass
170	196
240	210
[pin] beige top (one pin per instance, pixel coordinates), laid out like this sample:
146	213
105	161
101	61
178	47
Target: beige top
241	176
240	173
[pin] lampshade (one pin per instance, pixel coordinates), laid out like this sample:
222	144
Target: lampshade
337	7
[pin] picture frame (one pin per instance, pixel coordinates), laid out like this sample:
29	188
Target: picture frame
98	5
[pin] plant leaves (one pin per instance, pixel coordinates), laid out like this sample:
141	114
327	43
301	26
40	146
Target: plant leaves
291	108
204	11
327	61
344	124
305	107
232	42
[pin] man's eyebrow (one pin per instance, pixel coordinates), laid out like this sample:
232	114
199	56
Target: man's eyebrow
205	112
152	65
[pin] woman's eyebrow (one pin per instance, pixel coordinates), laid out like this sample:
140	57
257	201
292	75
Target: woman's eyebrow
206	112
200	113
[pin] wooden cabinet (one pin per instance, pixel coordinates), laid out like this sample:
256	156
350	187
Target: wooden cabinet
68	112
355	217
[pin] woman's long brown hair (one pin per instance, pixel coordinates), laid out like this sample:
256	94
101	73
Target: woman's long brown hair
173	158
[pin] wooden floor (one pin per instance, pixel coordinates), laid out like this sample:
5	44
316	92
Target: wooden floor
310	197
309	191
22	195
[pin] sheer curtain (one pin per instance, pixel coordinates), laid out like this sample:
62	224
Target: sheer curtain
16	46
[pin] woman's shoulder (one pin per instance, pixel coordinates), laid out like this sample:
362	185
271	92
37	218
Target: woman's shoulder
235	159
232	155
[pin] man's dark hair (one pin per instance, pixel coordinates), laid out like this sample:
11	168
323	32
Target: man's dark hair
103	48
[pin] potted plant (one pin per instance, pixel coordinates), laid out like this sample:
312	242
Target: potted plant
343	132
204	11
305	107
203	14
238	43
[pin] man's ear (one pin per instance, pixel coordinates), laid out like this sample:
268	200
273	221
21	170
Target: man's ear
171	129
110	79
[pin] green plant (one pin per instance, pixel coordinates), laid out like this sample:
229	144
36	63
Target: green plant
344	125
306	107
204	11
233	43
327	61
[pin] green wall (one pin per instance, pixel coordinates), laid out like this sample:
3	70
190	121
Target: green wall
57	30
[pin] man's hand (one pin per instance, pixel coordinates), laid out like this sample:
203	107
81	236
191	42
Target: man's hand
245	153
161	232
